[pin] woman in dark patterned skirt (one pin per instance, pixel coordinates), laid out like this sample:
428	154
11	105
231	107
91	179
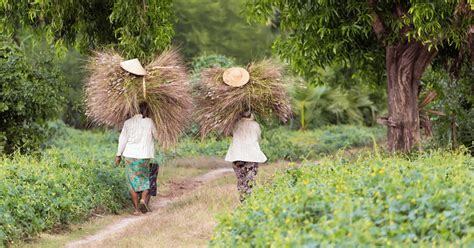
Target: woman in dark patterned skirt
245	154
136	145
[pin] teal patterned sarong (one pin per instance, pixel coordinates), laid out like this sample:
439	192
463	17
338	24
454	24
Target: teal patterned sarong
138	174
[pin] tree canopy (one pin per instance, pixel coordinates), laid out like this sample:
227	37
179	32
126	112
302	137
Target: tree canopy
318	33
135	28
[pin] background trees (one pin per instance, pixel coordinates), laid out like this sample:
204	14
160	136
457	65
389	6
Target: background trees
219	27
399	38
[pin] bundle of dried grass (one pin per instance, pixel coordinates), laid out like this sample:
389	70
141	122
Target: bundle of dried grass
113	94
219	105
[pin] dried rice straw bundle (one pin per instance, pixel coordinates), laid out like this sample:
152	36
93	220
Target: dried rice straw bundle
108	102
113	94
219	105
169	96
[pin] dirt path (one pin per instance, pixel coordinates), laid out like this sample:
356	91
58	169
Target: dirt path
177	189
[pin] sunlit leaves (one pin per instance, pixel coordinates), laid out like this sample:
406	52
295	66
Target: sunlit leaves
316	33
368	201
135	28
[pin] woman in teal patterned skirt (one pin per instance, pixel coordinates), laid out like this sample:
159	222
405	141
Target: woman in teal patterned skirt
136	145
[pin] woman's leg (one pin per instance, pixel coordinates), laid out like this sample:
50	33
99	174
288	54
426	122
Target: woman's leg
145	195
143	202
134	199
250	170
237	166
245	173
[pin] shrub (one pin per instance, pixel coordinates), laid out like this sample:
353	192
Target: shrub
207	61
285	144
65	184
298	145
370	201
29	95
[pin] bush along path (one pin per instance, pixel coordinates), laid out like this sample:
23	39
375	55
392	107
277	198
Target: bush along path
373	200
176	190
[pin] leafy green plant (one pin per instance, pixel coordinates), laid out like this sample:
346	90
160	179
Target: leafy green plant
285	144
212	60
30	95
322	105
455	100
64	184
369	201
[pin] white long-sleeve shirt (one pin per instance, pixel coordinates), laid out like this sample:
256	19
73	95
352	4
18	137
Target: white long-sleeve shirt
136	138
245	142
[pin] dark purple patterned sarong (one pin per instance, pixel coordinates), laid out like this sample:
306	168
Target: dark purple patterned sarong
246	173
154	168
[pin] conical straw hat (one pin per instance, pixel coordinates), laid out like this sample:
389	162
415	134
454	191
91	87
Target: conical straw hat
133	66
236	76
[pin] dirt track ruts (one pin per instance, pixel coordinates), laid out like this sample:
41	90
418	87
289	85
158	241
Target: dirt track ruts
177	189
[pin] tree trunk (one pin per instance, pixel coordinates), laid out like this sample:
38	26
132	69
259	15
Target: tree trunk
405	64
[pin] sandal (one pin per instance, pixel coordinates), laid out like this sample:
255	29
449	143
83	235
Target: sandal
144	207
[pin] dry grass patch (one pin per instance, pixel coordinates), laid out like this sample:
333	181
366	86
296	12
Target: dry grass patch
186	222
189	221
168	174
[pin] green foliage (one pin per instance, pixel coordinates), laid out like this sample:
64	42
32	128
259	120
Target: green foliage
136	28
455	99
318	33
321	105
282	143
338	94
312	144
30	94
208	61
219	27
71	66
65	184
369	201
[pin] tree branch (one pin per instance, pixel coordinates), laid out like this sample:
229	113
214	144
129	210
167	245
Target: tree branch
461	9
377	24
424	59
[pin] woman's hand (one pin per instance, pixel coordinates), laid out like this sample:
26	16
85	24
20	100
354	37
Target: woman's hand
117	160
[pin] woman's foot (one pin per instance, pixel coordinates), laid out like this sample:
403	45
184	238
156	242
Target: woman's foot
137	212
144	207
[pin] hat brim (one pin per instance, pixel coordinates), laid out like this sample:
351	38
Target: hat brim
236	76
133	66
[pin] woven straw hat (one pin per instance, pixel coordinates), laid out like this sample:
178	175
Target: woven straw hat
236	76
133	66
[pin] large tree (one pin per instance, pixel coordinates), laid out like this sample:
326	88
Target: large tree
400	38
137	28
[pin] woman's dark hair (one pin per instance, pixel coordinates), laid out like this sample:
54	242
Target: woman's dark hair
246	114
144	109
